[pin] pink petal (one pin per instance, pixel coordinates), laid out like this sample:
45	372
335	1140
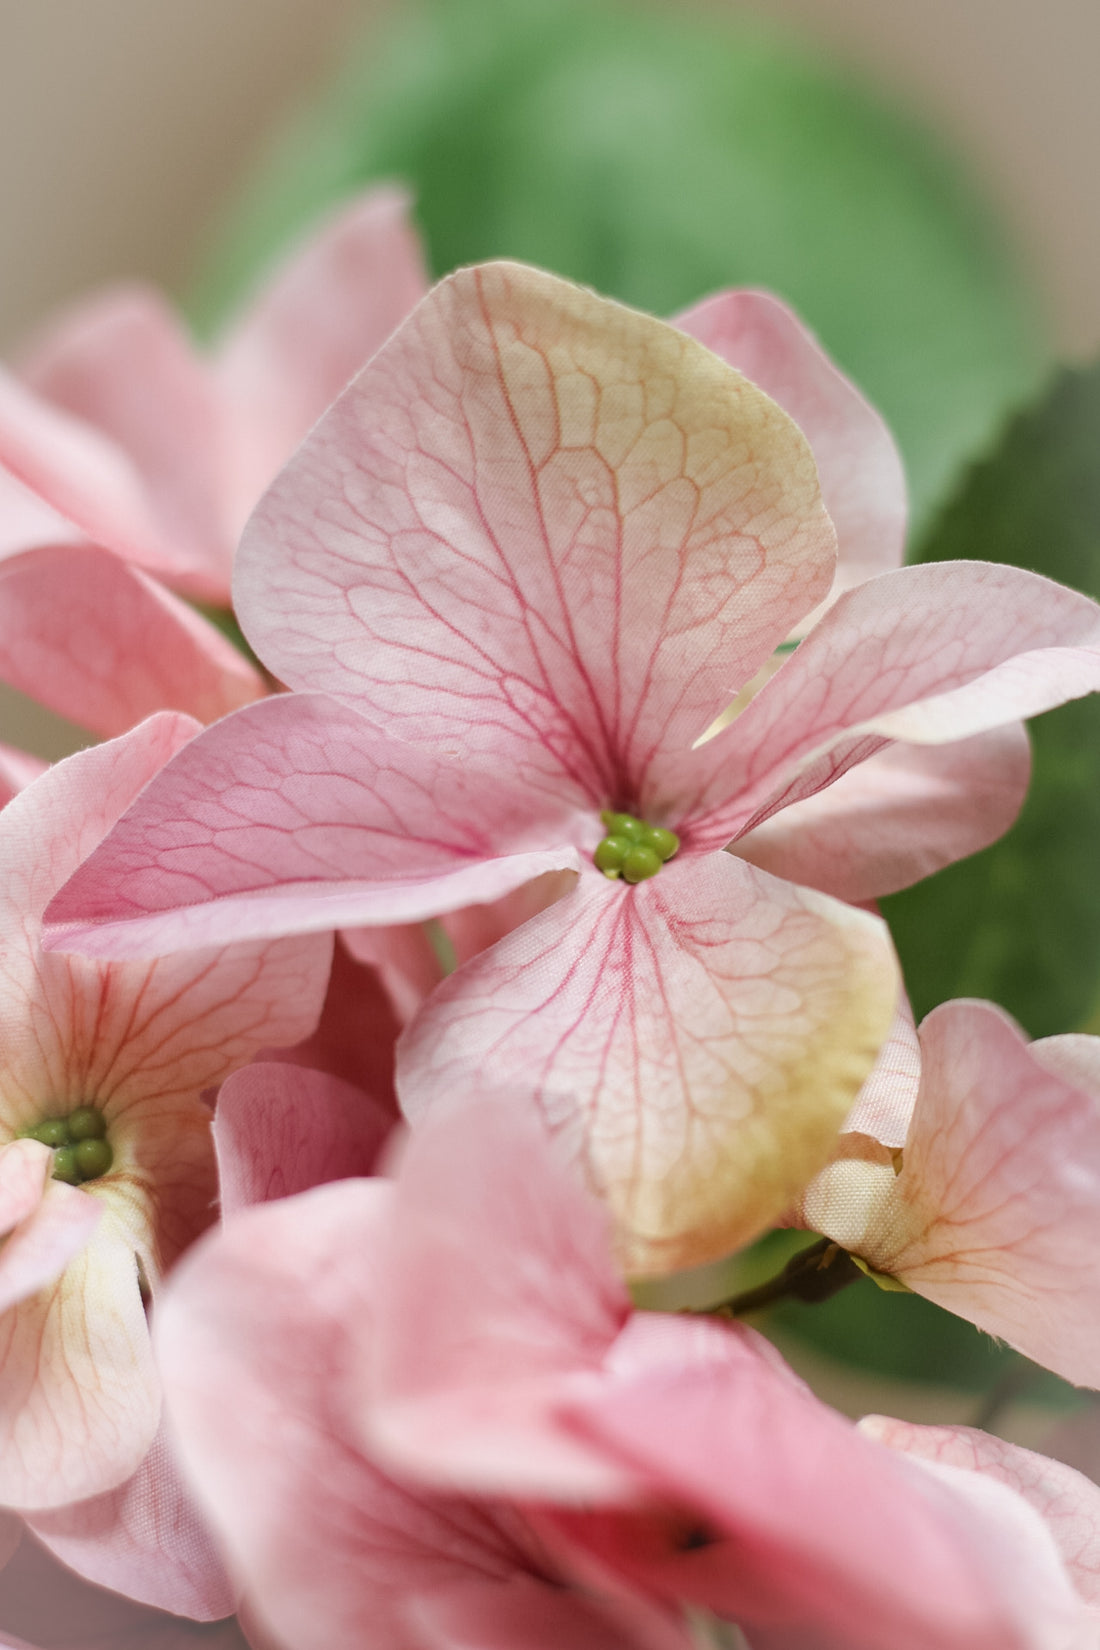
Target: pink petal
141	1040
261	1341
356	1034
324	314
697	1039
476	927
884	1105
281	1129
496	1296
927	655
72	806
122	363
79	1396
17	769
411	960
295	815
24	1171
93	484
41	1246
904	813
100	642
27	521
55	1610
145	1540
538	531
995	1213
779	1515
1068	1503
862	481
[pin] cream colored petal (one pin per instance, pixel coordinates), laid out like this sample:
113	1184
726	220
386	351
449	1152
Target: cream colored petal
79	1394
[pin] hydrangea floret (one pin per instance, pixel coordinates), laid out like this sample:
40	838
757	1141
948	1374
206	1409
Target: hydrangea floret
515	573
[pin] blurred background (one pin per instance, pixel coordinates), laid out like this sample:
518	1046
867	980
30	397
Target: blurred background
125	125
919	180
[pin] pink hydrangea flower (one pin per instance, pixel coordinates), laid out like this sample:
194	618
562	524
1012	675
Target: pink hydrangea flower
977	1184
517	571
469	1413
128	462
107	1173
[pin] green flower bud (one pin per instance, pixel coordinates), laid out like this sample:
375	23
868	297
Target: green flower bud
52	1131
664	843
610	854
640	863
623	825
66	1167
93	1158
87	1123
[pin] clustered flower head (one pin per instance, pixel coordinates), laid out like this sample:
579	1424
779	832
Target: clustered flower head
505	934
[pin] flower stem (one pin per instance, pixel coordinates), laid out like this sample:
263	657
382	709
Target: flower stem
813	1275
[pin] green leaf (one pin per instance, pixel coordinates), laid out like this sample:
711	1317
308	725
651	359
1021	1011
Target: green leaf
658	156
1020	922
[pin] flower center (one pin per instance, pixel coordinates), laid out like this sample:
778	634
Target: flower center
632	849
81	1150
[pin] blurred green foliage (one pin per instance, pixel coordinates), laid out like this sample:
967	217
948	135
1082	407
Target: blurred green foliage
658	156
1020	922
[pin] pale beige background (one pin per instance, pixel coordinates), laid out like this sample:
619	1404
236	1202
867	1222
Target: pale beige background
125	123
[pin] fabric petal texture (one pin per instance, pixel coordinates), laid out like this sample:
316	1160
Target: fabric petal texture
697	1041
145	1540
862	481
1068	1502
904	813
297	815
100	642
539	529
280	1129
994	1212
136	1044
79	1394
38	1248
926	655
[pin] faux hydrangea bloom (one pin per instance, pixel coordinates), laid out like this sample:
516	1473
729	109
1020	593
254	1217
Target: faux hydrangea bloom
260	1347
469	1325
991	1207
128	461
106	1157
521	565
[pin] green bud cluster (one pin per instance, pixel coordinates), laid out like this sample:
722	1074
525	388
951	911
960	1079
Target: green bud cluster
632	849
81	1150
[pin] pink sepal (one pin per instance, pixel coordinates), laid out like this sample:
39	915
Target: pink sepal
280	1129
102	643
862	481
